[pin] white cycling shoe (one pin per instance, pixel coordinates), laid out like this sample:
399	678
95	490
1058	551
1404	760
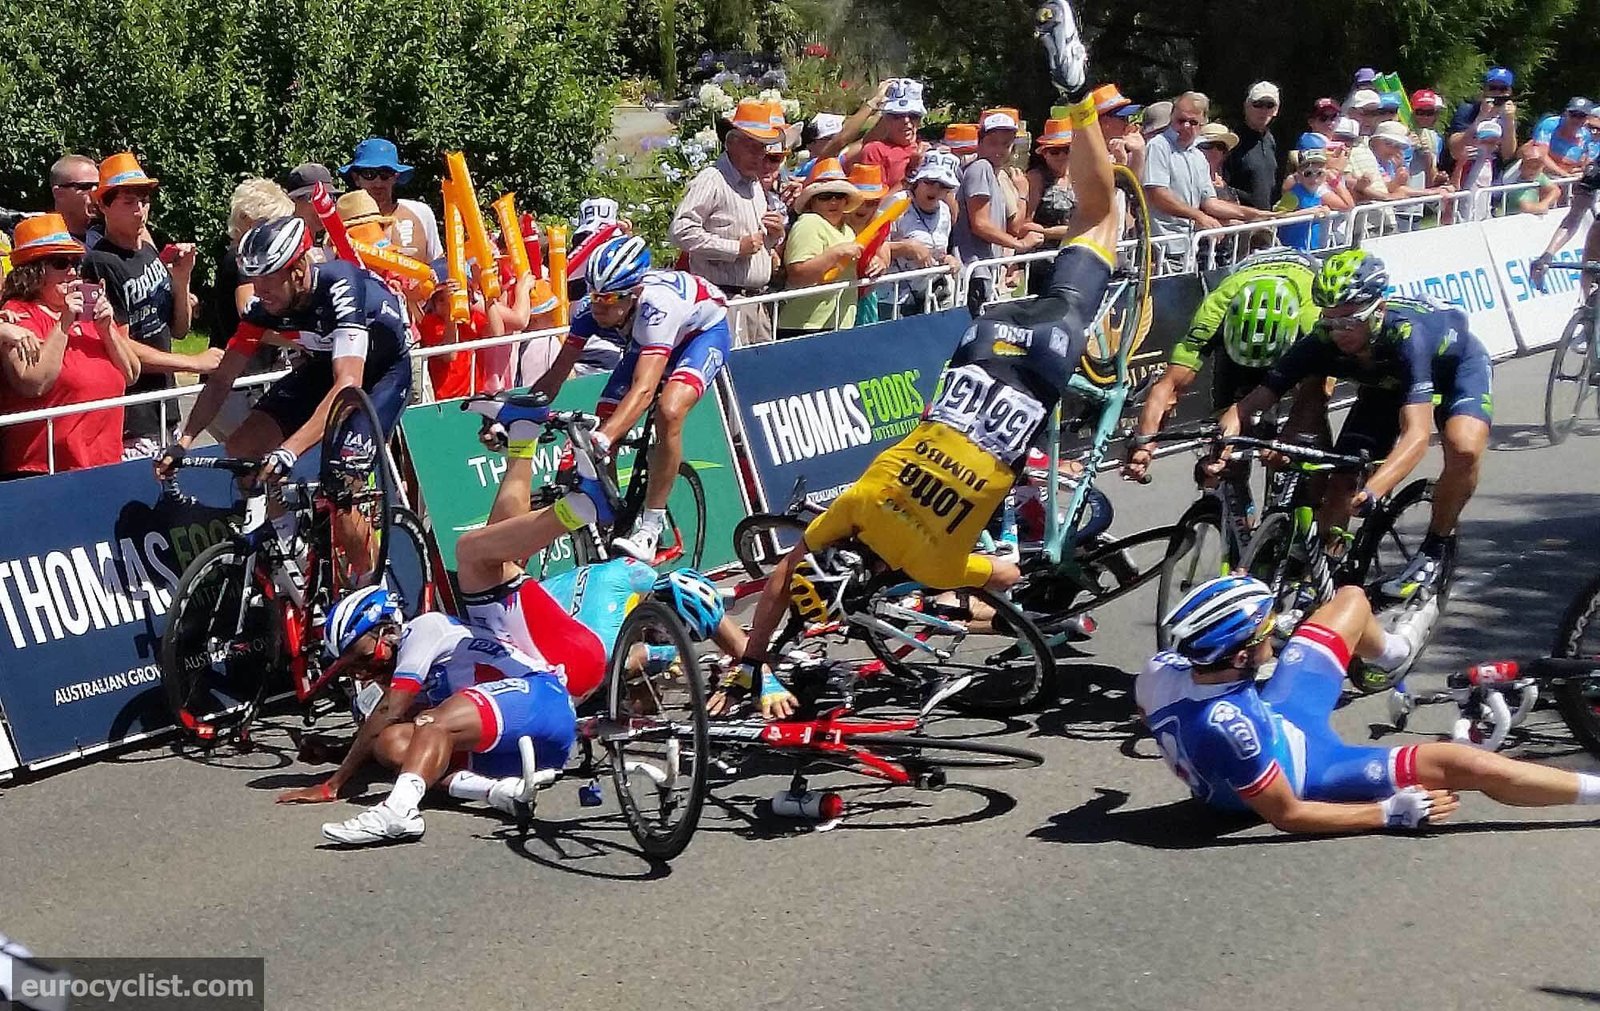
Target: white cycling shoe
641	544
1413	624
1420	574
1068	59
505	794
377	824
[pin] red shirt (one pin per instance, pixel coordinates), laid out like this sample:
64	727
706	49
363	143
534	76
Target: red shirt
92	439
894	160
452	374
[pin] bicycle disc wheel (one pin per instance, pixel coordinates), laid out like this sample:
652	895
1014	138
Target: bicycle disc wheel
409	563
221	643
357	483
683	541
1197	552
761	541
979	634
928	757
1578	637
1568	389
655	730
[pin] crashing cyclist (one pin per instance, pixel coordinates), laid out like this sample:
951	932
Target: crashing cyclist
1273	751
447	689
351	330
677	339
1253	315
922	503
1417	366
1584	192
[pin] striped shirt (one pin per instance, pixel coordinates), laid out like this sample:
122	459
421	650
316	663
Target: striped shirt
720	208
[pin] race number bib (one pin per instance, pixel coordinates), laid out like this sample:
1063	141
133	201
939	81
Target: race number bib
1000	419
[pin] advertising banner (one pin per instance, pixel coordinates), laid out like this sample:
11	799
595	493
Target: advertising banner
459	477
1451	265
88	566
1539	317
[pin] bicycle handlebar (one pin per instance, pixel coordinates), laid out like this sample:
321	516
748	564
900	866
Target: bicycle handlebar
1308	454
1586	267
236	466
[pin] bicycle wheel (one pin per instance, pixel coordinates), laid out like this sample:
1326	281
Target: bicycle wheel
683	541
1274	558
357	484
655	730
978	634
222	642
409	563
761	541
1135	262
1578	637
1392	536
1196	552
1569	386
927	758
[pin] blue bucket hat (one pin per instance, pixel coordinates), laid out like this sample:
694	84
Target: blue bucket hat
376	153
1388	101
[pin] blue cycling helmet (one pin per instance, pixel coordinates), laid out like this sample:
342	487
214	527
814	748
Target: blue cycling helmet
1218	618
619	264
356	615
695	598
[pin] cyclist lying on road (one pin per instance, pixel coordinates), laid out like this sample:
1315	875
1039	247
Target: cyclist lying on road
1418	365
1254	315
922	503
679	338
1273	751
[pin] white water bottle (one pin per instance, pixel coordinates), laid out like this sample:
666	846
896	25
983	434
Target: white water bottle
812	804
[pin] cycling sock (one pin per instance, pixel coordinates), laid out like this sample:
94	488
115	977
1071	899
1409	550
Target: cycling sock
1434	545
1588	788
655	519
1396	651
284	526
466	785
406	795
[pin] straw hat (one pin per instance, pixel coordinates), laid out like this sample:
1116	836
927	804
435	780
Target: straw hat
43	235
827	176
1213	133
358	208
868	181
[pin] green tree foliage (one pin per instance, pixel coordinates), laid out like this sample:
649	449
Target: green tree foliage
699	26
207	92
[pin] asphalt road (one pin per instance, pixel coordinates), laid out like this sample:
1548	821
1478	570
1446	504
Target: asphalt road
1087	883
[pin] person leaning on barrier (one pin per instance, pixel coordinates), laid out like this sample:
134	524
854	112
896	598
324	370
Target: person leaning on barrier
980	231
1177	178
59	344
821	242
920	238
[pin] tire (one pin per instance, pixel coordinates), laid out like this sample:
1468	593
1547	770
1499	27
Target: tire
1269	559
1391	538
409	563
357	485
213	666
1568	388
1197	552
927	757
1135	261
683	543
656	720
761	540
1011	665
1578	636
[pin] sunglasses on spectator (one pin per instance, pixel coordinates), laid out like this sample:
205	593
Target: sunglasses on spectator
81	187
775	159
1186	120
1313	173
1577	115
60	262
610	297
829	196
1424	112
1212	145
375	173
1263	103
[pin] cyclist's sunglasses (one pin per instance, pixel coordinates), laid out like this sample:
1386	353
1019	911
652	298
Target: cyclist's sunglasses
1262	632
610	297
1353	320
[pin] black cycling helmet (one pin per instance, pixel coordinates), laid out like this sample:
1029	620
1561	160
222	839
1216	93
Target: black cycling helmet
272	245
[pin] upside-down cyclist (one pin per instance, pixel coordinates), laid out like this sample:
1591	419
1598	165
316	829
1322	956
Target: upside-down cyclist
447	690
1253	315
678	338
1417	365
351	328
922	503
1584	192
1274	752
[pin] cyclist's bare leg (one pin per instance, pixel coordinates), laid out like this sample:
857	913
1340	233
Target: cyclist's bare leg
488	557
257	435
1095	217
437	734
1335	511
666	451
1520	784
515	493
1465	439
392	744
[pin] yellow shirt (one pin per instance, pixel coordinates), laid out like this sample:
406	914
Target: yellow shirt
810	236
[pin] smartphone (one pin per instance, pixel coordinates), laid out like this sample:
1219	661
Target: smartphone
170	254
92	294
1500	99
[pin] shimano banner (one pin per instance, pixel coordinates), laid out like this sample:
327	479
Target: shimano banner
1539	316
1451	265
88	565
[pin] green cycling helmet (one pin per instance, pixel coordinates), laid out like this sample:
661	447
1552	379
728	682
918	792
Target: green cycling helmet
1351	277
1261	322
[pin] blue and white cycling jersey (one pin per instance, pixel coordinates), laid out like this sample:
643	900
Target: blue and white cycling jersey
439	656
601	595
1229	742
1566	153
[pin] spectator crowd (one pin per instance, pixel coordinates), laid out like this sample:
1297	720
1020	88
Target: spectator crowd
96	299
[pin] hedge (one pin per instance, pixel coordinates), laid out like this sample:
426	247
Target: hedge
207	92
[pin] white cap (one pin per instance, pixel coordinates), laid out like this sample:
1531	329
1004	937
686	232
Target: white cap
594	214
904	96
1347	127
1365	98
1393	131
827	124
997	120
938	167
1489	129
1263	89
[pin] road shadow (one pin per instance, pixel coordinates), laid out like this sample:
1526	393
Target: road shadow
1587	996
1095	704
599	847
743	808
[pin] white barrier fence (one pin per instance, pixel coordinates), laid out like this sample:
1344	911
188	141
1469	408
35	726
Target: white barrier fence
1458	247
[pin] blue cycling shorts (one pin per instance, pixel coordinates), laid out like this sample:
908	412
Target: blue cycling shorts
696	362
537	707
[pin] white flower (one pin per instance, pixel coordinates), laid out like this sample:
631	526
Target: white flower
672	141
791	109
707	139
711	95
671	173
771	95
